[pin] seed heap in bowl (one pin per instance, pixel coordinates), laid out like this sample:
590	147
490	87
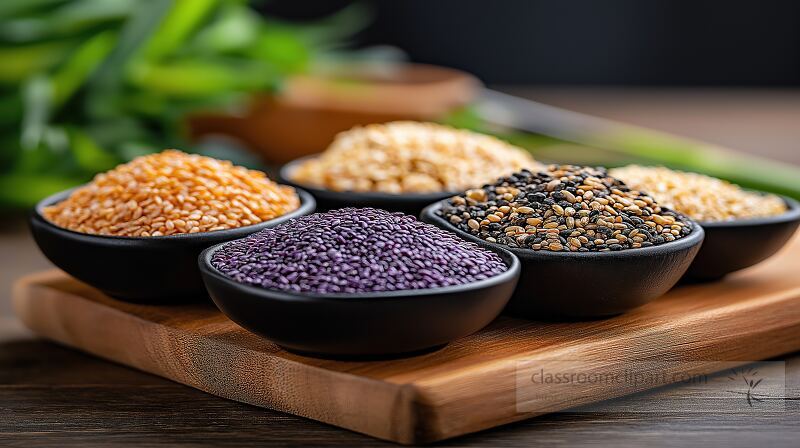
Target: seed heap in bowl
355	250
700	197
564	208
410	157
171	193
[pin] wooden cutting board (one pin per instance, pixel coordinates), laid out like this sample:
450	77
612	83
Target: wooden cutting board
471	384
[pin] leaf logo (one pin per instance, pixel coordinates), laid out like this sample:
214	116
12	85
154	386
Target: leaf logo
748	375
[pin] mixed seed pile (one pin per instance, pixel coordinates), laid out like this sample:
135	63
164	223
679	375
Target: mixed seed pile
355	250
564	208
411	157
700	197
171	193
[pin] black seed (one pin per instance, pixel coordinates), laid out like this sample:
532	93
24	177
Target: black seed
542	191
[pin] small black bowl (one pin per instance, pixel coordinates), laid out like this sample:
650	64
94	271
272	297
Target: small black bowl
409	203
733	245
157	270
392	323
588	285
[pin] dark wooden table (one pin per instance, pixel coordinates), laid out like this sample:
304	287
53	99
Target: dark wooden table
53	396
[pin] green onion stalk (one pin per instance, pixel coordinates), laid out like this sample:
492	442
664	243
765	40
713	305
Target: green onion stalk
557	135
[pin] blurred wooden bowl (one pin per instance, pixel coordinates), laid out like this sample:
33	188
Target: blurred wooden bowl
306	115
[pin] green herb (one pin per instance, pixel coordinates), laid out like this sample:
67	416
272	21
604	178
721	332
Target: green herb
88	84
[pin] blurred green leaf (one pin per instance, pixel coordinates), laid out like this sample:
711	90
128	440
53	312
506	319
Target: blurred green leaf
37	97
79	14
23	190
465	118
85	84
10	109
746	170
41	159
195	78
21	62
132	150
72	18
14	8
9	150
183	18
72	75
109	78
110	133
285	50
155	105
88	155
235	29
56	140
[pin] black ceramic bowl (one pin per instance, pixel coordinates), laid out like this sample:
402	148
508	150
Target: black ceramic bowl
733	245
409	203
367	324
158	270
585	285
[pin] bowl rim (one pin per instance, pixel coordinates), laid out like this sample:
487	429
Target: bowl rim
307	205
695	238
284	175
512	272
792	213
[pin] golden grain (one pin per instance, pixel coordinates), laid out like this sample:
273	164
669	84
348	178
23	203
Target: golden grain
700	197
169	193
411	157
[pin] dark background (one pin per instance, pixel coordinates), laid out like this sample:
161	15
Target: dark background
597	42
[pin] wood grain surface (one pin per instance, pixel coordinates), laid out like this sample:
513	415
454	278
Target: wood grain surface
51	396
468	386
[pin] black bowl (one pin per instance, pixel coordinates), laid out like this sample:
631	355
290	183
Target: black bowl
367	324
157	270
733	245
587	285
409	203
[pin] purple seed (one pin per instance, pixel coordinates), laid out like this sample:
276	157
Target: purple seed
355	250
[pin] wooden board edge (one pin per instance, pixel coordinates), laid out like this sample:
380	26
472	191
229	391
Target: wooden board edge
441	418
424	412
334	398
